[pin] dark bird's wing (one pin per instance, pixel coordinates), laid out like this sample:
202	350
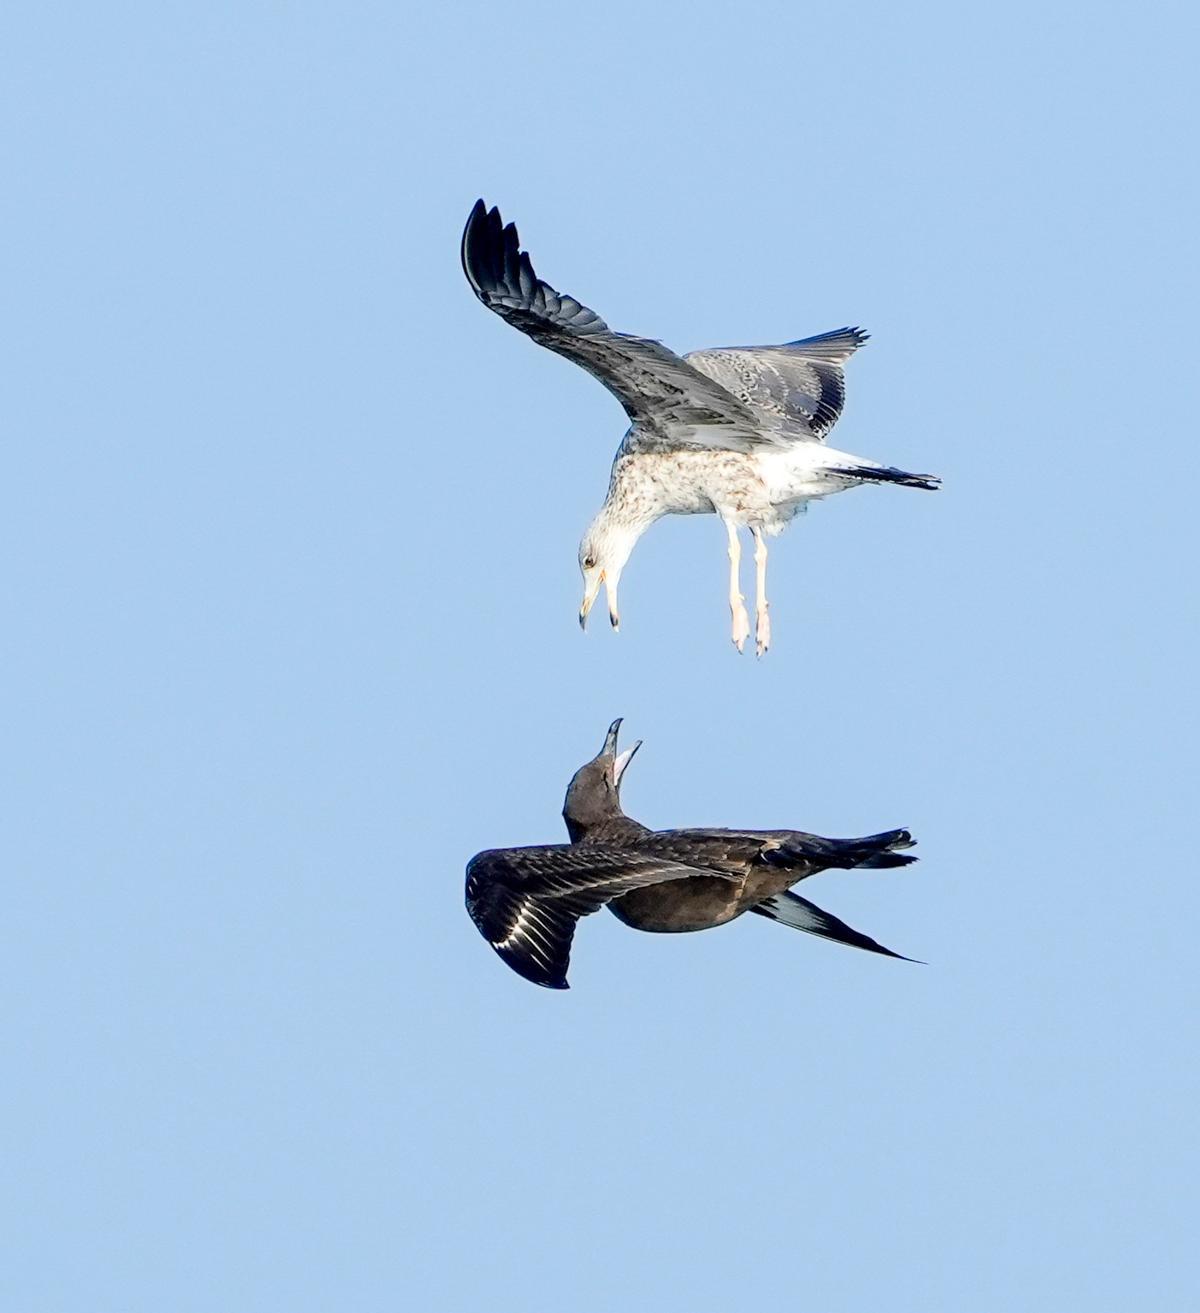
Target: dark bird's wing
798	389
792	910
647	378
526	901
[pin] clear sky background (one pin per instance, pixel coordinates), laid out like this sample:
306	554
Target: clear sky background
289	597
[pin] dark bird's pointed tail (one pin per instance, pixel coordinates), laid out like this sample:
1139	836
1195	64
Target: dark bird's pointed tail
874	851
889	854
811	851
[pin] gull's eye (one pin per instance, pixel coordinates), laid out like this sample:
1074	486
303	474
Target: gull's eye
589	562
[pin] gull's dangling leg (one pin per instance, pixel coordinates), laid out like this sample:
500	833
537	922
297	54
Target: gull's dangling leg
737	603
762	632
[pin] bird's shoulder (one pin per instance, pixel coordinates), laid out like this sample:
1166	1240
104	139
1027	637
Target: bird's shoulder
665	437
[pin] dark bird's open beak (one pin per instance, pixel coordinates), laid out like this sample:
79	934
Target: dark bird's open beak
620	760
623	761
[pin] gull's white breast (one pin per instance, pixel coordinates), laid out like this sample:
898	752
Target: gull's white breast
768	486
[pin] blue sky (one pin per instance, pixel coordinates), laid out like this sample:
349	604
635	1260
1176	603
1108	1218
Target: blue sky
290	588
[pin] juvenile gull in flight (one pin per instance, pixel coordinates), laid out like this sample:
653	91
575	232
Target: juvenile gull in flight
737	431
526	901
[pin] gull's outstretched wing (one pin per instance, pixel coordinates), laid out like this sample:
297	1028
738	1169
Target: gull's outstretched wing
649	380
526	901
792	910
799	387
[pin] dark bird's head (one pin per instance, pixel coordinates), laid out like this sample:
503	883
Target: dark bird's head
594	794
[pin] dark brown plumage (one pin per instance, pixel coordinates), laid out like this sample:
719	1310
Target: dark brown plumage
526	901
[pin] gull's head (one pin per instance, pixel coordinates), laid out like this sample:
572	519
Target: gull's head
602	555
594	794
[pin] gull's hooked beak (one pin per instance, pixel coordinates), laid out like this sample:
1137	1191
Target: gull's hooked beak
591	590
622	760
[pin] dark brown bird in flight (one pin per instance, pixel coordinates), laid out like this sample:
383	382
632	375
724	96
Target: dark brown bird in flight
526	901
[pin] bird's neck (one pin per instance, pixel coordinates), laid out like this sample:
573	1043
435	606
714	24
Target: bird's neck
627	510
618	829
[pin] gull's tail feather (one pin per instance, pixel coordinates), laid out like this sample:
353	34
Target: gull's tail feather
887	474
836	347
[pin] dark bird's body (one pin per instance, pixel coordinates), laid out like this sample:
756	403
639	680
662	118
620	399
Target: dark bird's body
526	901
761	864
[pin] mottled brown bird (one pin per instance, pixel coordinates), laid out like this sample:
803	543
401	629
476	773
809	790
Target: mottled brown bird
734	431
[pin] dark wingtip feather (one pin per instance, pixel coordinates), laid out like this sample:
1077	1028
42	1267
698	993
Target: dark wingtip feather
470	250
492	258
481	259
510	254
798	913
530	970
887	952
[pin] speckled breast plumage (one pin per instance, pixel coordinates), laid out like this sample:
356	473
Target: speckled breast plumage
765	489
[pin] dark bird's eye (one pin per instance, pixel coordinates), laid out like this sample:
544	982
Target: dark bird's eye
589	562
